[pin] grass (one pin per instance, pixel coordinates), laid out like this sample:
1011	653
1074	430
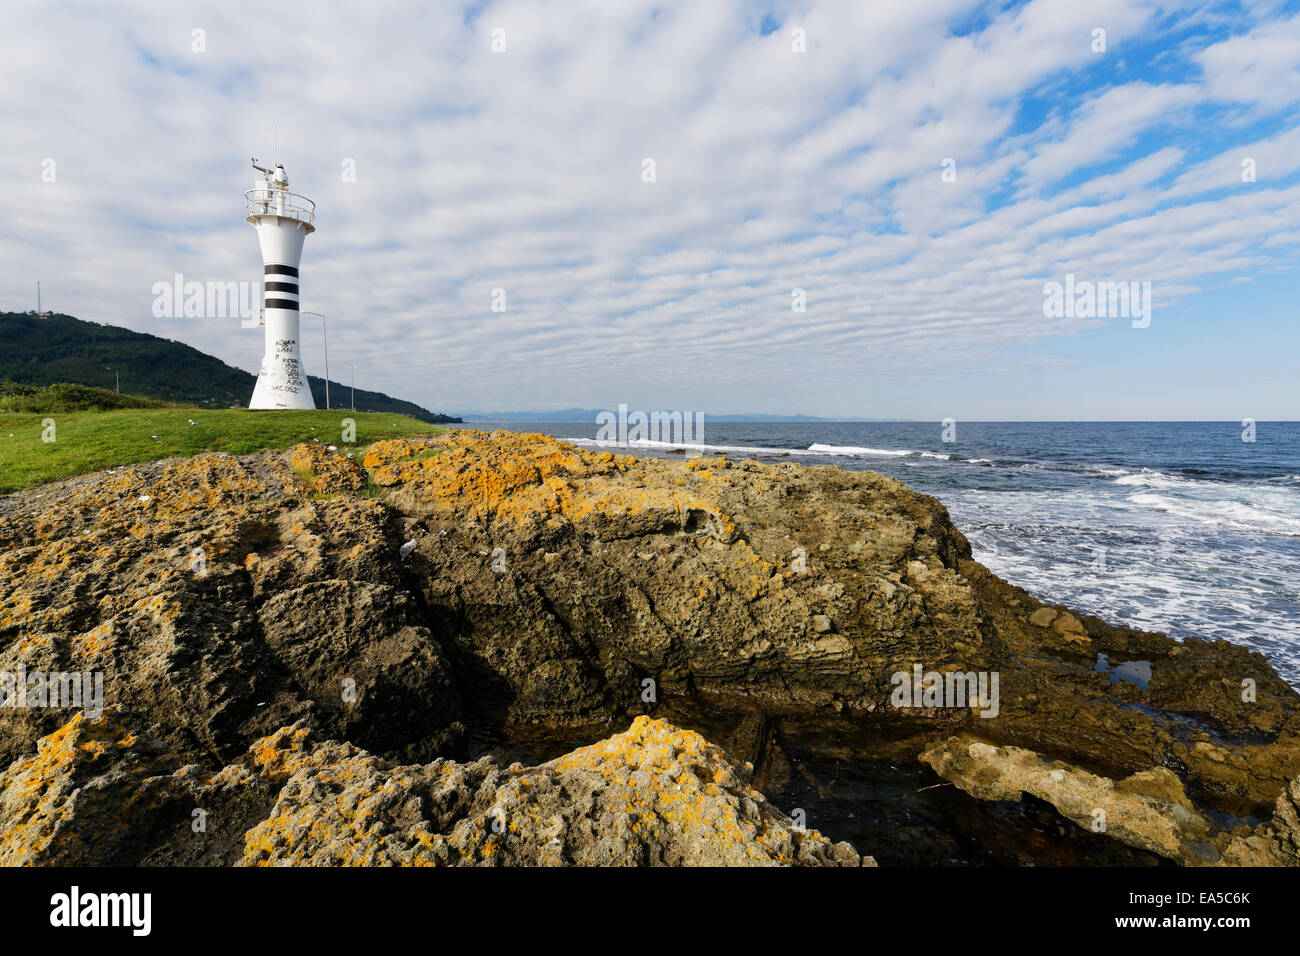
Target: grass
88	441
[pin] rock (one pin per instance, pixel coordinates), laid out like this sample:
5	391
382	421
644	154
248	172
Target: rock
326	471
99	792
299	600
1276	843
1066	624
373	672
653	795
1043	616
1148	810
293	596
716	613
102	793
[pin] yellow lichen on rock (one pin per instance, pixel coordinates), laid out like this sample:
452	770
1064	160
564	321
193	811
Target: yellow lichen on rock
673	780
655	794
529	477
327	471
40	794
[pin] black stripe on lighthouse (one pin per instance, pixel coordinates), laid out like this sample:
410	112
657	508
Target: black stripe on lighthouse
281	287
280	270
288	304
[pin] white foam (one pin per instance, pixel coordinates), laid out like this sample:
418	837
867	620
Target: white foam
857	450
1221	512
647	444
1147	478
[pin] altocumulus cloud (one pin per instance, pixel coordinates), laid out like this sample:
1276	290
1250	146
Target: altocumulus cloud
774	170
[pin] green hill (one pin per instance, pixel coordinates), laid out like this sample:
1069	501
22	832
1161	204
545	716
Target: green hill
61	349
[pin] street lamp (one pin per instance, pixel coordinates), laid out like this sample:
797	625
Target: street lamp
354	384
117	377
325	336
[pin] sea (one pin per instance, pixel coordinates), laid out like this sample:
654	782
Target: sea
1190	528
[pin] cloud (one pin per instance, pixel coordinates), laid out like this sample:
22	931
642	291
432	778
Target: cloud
1104	125
522	170
1261	68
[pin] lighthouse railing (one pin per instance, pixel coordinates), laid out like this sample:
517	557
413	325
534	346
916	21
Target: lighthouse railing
280	202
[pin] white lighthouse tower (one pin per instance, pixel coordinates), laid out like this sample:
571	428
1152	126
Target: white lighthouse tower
282	220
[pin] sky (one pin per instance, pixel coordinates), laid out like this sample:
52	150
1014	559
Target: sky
649	184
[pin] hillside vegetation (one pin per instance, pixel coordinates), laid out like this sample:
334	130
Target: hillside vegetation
63	397
46	446
36	351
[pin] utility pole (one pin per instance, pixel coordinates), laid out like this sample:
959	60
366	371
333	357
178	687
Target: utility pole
325	336
117	378
354	384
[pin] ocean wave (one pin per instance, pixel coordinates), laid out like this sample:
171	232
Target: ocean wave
1147	478
1213	485
854	450
1190	481
814	450
648	445
1221	512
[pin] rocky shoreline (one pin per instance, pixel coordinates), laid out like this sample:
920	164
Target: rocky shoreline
341	662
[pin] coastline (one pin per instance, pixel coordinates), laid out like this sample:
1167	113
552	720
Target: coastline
767	606
1178	527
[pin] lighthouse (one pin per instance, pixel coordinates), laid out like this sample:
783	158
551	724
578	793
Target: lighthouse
282	220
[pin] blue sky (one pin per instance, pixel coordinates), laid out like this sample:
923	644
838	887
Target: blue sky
794	146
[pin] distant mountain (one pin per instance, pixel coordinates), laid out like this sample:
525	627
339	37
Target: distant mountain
60	348
566	415
559	415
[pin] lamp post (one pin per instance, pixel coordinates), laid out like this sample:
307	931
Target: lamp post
117	378
325	336
354	384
